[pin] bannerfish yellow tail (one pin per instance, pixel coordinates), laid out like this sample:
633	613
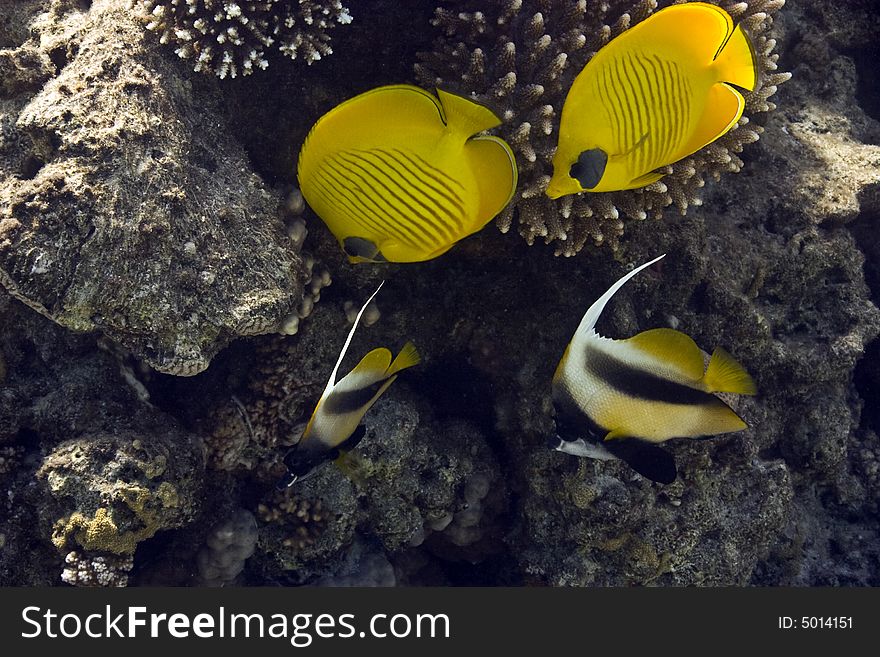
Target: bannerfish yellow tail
629	395
662	90
401	175
335	424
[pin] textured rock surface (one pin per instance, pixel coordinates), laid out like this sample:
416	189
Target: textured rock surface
98	469
124	204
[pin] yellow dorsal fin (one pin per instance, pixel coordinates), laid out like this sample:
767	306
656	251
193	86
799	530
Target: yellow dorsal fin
407	357
673	347
724	106
736	61
696	30
494	168
724	374
466	115
372	367
364	120
408	104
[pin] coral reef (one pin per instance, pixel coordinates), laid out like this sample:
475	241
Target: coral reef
520	57
364	565
116	490
96	571
227	547
231	38
144	478
96	469
125	206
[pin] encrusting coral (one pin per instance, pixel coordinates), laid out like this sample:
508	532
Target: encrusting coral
520	57
231	38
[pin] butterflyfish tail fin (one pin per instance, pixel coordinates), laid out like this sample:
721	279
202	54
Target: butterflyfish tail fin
466	114
332	381
736	62
593	313
494	167
724	107
407	357
724	374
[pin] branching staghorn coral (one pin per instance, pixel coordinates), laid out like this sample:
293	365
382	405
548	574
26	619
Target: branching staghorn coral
520	57
231	38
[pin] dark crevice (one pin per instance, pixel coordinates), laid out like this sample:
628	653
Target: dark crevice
30	167
868	79
864	230
867	382
58	57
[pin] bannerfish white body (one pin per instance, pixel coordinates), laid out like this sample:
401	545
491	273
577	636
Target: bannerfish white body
627	396
335	425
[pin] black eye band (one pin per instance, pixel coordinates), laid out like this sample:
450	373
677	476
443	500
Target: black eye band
589	168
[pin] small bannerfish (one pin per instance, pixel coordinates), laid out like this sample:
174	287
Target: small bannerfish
334	427
620	398
399	175
660	91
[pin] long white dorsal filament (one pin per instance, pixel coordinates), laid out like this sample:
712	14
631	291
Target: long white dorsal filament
332	381
593	312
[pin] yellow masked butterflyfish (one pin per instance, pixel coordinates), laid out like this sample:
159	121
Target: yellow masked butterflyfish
335	426
401	175
663	89
621	398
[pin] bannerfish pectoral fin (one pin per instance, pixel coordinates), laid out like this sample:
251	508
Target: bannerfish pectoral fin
650	461
615	434
580	448
589	168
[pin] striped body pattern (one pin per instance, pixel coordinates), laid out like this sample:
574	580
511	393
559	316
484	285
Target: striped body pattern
650	109
651	387
401	175
630	393
398	192
660	91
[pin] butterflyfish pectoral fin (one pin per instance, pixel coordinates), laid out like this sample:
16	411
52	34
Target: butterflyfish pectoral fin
671	347
494	167
466	115
645	180
724	107
725	374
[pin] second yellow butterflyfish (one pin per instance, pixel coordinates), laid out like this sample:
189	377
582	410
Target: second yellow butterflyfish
660	91
401	175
